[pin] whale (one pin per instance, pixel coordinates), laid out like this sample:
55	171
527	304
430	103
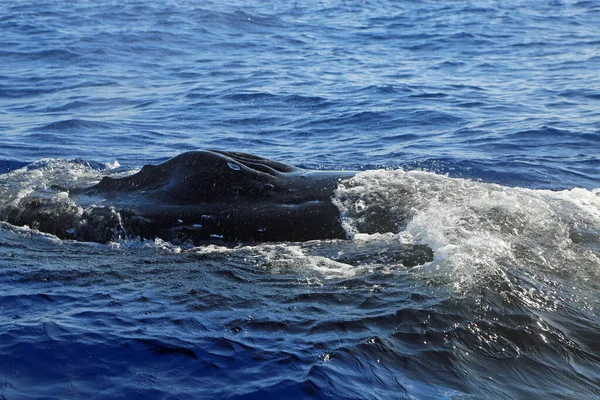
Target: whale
231	196
197	196
212	197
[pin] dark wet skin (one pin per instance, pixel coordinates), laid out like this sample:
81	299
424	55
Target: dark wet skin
235	197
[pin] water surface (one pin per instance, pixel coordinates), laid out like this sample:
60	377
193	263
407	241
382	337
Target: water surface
477	126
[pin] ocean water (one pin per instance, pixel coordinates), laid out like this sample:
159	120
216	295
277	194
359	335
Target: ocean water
475	126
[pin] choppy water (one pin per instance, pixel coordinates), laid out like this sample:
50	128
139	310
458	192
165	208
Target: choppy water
477	126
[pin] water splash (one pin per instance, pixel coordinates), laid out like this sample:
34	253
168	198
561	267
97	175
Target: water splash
476	229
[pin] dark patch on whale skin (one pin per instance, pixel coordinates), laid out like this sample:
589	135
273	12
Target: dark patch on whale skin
235	197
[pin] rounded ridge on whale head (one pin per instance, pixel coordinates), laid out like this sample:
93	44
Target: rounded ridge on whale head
200	164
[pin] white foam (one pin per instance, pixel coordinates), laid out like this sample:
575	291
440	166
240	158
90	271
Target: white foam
44	178
476	228
290	258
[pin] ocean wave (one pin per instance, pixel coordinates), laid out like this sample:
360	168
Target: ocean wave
75	124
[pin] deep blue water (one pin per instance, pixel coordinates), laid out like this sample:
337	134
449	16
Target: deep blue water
478	119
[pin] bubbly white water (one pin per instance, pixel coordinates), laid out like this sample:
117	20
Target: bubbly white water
475	228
